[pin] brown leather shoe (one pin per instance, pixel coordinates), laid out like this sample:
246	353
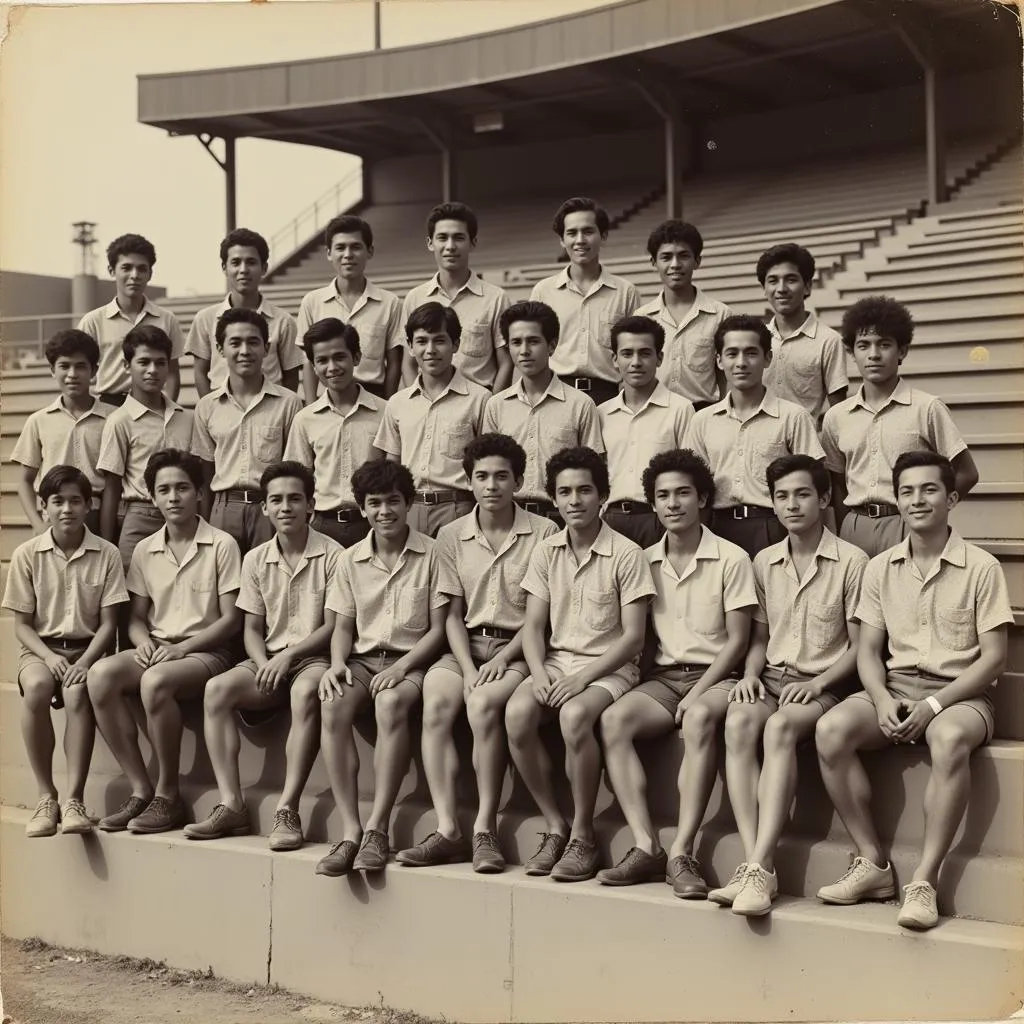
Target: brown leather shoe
683	874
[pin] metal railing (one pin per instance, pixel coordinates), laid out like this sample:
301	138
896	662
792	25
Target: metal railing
22	337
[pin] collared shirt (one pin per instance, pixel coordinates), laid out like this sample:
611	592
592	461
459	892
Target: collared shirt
739	451
391	607
52	436
563	418
807	365
282	355
479	305
376	316
334	445
109	324
584	339
807	619
864	444
586	598
184	597
133	433
688	366
64	594
932	624
490	582
634	438
430	436
290	600
242	443
689	610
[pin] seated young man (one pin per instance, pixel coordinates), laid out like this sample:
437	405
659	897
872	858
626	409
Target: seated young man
183	582
63	586
700	616
933	615
802	657
389	624
590	586
482	559
286	635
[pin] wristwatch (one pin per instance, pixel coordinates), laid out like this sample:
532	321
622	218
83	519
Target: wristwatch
933	703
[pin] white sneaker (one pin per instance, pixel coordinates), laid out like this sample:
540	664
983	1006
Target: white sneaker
862	881
728	892
758	891
45	819
75	821
920	908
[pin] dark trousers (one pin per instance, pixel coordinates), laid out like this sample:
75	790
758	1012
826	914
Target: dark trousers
643	528
752	535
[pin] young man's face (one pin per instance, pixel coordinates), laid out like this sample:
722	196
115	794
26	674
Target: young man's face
386	513
581	239
334	365
243	349
528	348
742	360
677	502
785	289
878	358
923	500
349	254
433	352
286	505
243	269
176	495
148	370
66	510
131	274
577	498
637	359
73	374
675	263
797	502
451	245
494	483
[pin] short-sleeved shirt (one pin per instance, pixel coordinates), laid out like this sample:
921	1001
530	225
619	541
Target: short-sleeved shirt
430	436
109	324
864	445
283	354
133	433
688	611
807	365
334	445
634	438
807	619
185	598
64	594
376	316
479	305
739	452
563	418
586	598
53	437
391	607
585	320
242	443
290	600
688	366
933	624
490	582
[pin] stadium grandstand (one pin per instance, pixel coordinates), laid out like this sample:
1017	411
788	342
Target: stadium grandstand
884	135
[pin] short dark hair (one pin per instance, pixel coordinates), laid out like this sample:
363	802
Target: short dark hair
498	445
788	252
744	322
453	211
130	245
327	330
241	315
149	335
250	239
638	325
577	458
530	311
289	469
887	316
786	464
580	204
173	458
72	342
924	457
348	224
382	476
434	317
675	232
60	476
679	460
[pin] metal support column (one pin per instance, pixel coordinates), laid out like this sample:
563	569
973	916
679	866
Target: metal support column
675	135
227	165
449	169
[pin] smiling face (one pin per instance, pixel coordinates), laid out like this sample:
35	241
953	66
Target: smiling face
451	245
577	498
334	365
386	514
243	349
677	502
529	350
131	274
797	502
923	500
148	370
243	270
433	352
494	484
73	374
675	263
349	254
581	238
877	357
637	359
286	505
743	360
66	510
175	495
785	290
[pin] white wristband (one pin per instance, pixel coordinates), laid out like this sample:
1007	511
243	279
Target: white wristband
933	704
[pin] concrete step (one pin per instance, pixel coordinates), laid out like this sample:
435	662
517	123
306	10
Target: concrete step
951	247
957	368
968	291
950	213
902	277
887	256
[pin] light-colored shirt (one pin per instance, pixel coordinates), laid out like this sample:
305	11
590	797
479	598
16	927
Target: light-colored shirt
489	581
932	624
689	610
739	451
64	594
563	418
109	324
807	619
864	445
586	598
290	600
584	339
634	438
807	365
334	445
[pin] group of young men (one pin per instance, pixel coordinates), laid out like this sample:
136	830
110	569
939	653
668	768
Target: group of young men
577	509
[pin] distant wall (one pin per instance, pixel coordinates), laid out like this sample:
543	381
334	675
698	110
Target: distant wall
39	294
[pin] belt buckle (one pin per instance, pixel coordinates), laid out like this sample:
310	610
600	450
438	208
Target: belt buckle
739	512
627	507
247	497
874	510
429	497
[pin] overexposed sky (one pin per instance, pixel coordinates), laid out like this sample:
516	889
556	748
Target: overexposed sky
71	148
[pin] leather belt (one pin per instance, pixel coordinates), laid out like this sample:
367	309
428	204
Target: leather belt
875	510
746	512
630	508
448	497
244	495
585	383
539	508
343	513
492	632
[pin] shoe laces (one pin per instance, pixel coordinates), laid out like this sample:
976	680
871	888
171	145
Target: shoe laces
576	848
74	807
376	840
859	866
739	874
290	819
690	863
334	849
486	842
918	892
548	840
161	805
756	879
43	808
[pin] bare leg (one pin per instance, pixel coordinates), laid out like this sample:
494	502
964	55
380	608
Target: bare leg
391	753
577	719
442	702
303	736
111	681
485	709
523	717
79	738
39	686
341	758
744	724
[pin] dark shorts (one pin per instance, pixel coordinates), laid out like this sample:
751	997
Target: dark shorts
365	666
70	649
669	684
253	717
482	648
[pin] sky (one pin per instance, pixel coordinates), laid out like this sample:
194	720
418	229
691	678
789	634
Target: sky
72	150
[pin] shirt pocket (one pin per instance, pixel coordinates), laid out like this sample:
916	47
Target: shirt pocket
823	624
896	442
560	437
604	331
514	576
803	377
706	618
413	608
476	339
371	345
957	628
454	438
699	356
269	444
600	610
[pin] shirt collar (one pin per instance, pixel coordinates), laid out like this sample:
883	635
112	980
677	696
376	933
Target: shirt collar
707	549
471	524
659	397
473	284
364	399
267	311
90	542
602	542
902	393
268	388
112	309
828	547
315	547
604	281
555	389
134	408
364	550
98	408
204	535
769	404
809	328
954	552
458	384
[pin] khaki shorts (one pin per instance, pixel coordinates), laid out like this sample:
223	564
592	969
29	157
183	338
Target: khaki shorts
774	679
617	683
318	660
669	684
365	666
482	648
216	661
70	649
872	536
253	717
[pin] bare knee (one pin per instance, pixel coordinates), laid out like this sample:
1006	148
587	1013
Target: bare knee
742	727
156	687
618	725
950	749
576	722
522	716
391	710
38	691
780	733
699	724
102	681
305	697
440	711
76	700
482	709
832	735
220	695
